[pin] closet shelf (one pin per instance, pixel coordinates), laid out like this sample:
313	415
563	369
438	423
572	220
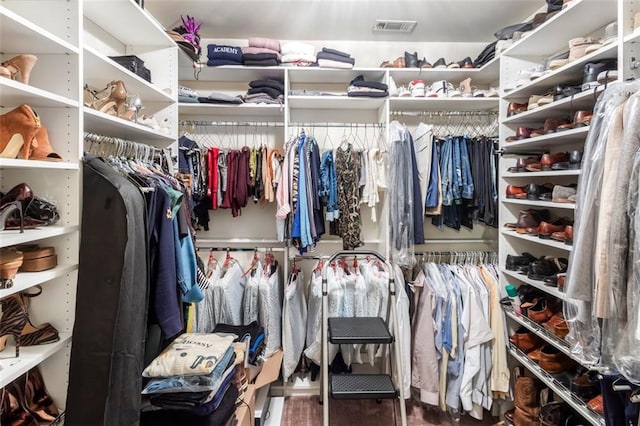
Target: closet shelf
16	93
543	333
536	203
552	173
570	73
108	125
333	75
553	291
579	18
632	38
129	23
10	163
19	35
551	142
99	70
443	104
535	239
260	112
487	75
25	280
13	237
30	356
335	102
561	108
558	388
228	73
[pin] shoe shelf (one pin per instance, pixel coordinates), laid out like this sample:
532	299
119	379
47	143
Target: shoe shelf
557	387
30	356
552	173
262	112
333	76
443	104
97	66
10	163
19	35
537	203
128	22
534	239
335	102
228	73
16	93
578	19
25	280
553	291
105	124
551	142
486	75
14	237
569	73
565	106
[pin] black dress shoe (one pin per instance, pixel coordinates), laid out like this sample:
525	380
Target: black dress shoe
575	160
538	192
441	63
514	262
411	59
466	63
591	71
562	91
423	63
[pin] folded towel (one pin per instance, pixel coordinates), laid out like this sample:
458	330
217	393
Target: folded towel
336	52
328	63
228	53
298	57
267	43
360	82
298	47
267	83
334	57
265	63
274	93
368	94
260	50
259	56
220	62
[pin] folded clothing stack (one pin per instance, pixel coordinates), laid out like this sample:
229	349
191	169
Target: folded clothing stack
187	95
254	332
367	89
265	92
219	54
299	54
331	58
261	52
221	98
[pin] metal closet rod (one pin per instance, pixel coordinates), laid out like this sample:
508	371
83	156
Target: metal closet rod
339	125
246	249
459	241
231	123
446	113
448	253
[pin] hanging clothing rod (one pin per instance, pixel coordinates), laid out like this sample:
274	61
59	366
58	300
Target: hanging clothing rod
446	113
449	253
230	123
459	241
339	125
303	257
243	249
122	147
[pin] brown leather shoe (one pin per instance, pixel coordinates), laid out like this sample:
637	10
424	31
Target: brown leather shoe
518	192
553	361
541	312
526	399
521	133
523	162
549	160
525	340
529	218
515	108
550	126
557	325
580	119
597	404
558	236
568	235
545	229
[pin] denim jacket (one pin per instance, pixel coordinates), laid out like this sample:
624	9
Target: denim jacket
329	186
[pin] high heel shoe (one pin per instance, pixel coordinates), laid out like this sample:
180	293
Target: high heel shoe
20	65
109	100
14	412
18	128
14	318
37	399
7	211
10	261
32	335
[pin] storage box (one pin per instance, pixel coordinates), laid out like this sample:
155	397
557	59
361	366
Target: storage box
264	375
133	64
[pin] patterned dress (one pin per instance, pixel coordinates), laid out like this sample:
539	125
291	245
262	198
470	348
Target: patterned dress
347	165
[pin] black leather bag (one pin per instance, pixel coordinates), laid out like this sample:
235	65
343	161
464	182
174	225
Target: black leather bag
133	64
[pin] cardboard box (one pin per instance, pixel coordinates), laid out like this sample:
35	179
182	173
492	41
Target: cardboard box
265	374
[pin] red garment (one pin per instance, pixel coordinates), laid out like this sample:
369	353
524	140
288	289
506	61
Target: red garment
243	179
212	190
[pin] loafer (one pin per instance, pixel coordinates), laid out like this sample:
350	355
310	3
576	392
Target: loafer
553	361
548	160
568	235
550	126
545	229
523	162
521	133
538	192
466	63
585	385
529	218
540	312
525	340
514	262
515	108
518	192
557	325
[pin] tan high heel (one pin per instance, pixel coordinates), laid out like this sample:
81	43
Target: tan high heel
4	72
21	64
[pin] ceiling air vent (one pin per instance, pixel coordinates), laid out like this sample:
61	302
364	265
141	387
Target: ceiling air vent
394	26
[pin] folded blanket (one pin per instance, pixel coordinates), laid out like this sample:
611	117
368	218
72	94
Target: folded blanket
360	82
327	63
336	52
334	57
368	94
267	83
221	62
297	47
227	53
265	63
260	50
298	57
274	93
263	98
259	56
267	43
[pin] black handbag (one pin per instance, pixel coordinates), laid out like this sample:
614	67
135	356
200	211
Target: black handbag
133	64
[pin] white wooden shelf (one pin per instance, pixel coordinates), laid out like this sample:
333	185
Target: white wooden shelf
535	239
333	75
264	111
538	203
13	237
13	92
553	291
579	18
127	22
565	106
30	356
19	35
25	280
443	104
105	124
551	142
228	73
10	163
335	102
570	73
97	67
552	173
632	38
558	388
486	75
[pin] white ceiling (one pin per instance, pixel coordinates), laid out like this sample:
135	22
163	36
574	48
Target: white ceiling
438	20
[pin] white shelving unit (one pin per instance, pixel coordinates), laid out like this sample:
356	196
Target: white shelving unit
51	31
443	104
536	240
540	204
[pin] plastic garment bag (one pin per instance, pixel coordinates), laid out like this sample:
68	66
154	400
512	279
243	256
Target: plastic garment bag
252	294
205	309
228	293
404	326
335	289
360	307
270	311
377	283
294	324
314	319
